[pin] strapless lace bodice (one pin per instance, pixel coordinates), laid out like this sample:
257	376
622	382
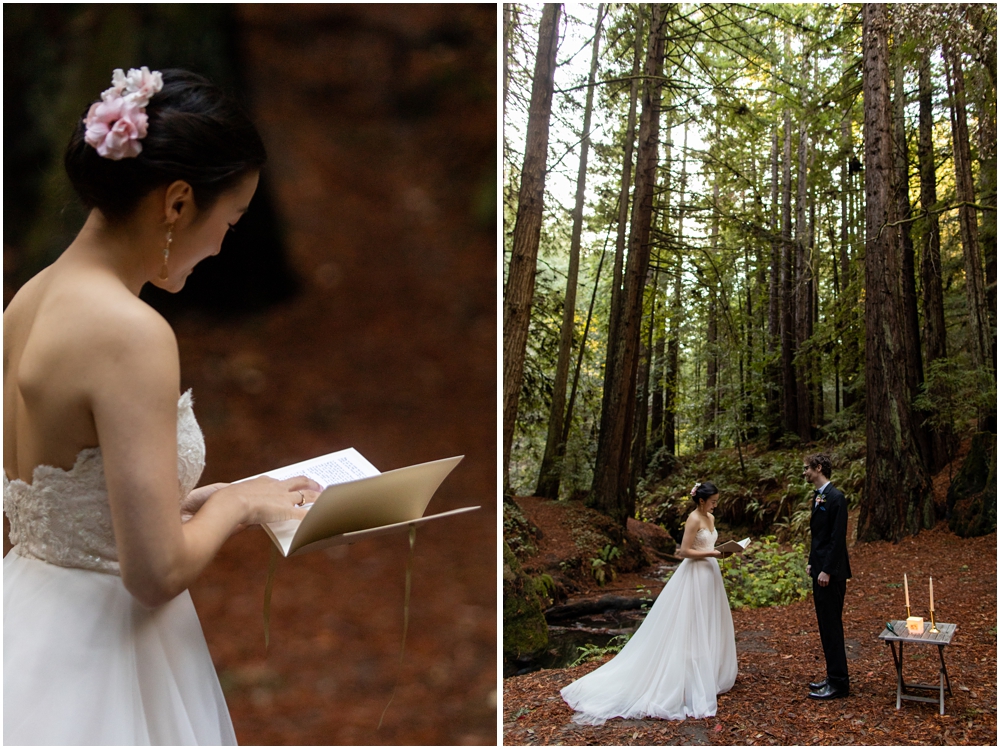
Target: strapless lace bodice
705	539
63	517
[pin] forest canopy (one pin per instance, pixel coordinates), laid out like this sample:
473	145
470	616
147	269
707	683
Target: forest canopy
738	226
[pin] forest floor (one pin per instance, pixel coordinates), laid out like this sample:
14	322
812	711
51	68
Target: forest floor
779	652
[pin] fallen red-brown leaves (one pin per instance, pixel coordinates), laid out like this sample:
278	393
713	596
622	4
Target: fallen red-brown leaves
779	653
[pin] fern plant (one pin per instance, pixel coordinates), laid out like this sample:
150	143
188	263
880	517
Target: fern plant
589	651
601	566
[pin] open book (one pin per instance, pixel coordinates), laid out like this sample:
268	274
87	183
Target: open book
733	547
357	501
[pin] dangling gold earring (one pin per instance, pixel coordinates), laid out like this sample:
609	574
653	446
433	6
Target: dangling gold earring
164	272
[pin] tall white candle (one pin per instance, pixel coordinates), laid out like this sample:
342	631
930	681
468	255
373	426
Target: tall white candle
906	590
932	594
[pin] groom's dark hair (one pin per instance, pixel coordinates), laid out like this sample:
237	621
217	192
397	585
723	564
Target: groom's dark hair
822	462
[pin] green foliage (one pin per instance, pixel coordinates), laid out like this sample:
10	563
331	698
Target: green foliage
601	566
767	492
517	531
768	576
954	393
796	523
525	632
590	652
545	586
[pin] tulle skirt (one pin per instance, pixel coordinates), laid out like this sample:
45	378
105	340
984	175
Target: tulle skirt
680	658
85	663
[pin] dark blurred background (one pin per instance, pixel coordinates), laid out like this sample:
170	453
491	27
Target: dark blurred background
355	305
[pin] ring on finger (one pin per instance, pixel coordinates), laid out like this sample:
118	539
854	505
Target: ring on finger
302	499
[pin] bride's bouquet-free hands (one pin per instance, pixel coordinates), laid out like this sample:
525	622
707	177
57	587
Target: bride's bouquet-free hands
268	500
729	548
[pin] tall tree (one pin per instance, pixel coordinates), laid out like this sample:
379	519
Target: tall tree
929	231
911	323
984	26
626	182
803	274
671	376
712	325
508	22
609	492
520	290
896	499
550	472
660	331
640	420
790	408
979	329
775	389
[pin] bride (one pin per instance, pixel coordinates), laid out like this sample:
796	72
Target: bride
101	453
684	652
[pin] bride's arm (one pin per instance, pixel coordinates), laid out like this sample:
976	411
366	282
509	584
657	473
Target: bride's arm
133	387
687	550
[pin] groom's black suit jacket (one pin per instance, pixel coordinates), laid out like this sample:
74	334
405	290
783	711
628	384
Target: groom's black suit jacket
828	552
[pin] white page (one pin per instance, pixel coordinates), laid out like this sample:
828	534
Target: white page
410	488
326	470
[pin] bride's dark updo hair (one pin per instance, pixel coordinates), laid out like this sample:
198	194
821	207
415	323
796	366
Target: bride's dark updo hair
196	133
702	492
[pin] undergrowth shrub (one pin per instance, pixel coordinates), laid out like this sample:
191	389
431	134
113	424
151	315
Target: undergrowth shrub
768	576
590	651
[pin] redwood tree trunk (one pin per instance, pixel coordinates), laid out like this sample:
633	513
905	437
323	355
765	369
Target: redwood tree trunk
846	307
930	235
671	376
550	472
623	198
789	410
642	399
609	493
979	328
803	292
774	389
520	289
896	499
712	335
911	324
660	334
930	242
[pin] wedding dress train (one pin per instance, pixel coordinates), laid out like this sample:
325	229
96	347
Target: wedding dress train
84	662
680	658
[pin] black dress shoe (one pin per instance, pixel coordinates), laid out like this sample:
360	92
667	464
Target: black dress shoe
829	692
815	686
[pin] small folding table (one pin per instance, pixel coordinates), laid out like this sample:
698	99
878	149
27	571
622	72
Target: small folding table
941	639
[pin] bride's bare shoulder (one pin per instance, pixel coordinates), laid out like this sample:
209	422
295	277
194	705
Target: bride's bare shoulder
694	520
87	313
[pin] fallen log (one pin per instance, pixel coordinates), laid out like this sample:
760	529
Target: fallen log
591	606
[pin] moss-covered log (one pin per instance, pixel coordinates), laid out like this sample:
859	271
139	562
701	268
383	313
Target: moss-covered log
525	633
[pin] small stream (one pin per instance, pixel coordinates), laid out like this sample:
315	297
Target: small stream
565	640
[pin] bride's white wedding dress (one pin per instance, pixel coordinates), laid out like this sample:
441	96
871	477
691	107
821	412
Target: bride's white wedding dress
83	661
680	658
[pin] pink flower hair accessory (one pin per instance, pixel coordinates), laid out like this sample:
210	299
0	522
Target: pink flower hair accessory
694	490
117	123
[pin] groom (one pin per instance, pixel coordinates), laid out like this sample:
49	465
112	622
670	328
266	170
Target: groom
829	568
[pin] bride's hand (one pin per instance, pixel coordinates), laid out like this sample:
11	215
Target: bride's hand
194	501
267	500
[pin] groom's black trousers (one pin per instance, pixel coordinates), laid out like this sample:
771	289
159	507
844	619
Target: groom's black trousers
829	600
